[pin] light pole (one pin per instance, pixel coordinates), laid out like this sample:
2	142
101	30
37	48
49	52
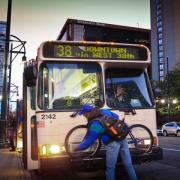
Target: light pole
5	82
17	46
168	89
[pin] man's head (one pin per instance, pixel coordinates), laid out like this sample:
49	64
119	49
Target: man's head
86	109
89	112
120	90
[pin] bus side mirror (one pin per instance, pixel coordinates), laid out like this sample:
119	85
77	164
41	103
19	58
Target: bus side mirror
30	75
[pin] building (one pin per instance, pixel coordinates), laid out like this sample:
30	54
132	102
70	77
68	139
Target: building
79	30
2	50
165	39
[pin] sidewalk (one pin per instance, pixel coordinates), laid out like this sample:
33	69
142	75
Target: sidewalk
11	166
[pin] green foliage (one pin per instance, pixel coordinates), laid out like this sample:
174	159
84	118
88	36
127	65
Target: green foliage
169	90
172	81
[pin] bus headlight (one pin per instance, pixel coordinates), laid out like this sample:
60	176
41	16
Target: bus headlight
51	149
54	149
44	150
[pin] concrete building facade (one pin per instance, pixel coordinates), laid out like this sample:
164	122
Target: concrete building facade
165	39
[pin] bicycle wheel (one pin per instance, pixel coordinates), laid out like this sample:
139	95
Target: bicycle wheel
74	137
140	139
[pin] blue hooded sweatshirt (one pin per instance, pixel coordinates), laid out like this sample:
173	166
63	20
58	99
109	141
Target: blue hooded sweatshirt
95	129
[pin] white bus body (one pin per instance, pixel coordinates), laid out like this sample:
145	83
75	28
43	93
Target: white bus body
66	80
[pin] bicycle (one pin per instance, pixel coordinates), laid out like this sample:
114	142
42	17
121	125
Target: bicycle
140	139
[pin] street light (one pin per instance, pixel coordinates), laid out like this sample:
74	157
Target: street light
163	101
168	103
168	94
174	101
17	47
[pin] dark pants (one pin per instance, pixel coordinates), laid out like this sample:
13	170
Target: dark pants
12	143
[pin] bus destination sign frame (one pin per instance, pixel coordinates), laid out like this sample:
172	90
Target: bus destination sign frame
94	51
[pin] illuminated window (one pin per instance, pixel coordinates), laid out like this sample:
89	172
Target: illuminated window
160	42
161	72
161	66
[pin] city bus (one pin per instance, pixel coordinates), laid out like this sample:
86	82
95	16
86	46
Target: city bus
66	75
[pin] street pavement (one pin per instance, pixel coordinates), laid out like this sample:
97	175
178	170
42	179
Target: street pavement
11	166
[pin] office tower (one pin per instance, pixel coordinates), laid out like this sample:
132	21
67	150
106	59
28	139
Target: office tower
2	49
165	39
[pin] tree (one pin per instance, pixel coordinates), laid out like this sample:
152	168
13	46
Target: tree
169	90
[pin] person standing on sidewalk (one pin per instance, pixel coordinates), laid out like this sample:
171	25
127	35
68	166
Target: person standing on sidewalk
12	133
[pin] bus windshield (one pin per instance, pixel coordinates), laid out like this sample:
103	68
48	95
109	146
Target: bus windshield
135	87
69	85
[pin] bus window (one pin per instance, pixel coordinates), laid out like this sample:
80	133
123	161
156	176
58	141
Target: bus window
33	97
136	88
69	85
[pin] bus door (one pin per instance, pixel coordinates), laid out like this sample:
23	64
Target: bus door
30	148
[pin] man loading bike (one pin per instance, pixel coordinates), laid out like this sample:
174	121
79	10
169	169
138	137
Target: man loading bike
113	147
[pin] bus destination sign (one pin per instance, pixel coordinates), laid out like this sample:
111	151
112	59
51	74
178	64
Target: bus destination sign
94	51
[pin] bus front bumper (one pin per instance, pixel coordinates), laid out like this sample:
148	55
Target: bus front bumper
75	163
95	162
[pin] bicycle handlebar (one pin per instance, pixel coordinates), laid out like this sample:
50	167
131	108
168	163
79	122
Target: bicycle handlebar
74	114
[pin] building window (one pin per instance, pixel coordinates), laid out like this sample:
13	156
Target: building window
161	54
160	35
159	18
161	72
160	42
159	24
78	32
161	66
159	29
160	48
161	60
159	12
